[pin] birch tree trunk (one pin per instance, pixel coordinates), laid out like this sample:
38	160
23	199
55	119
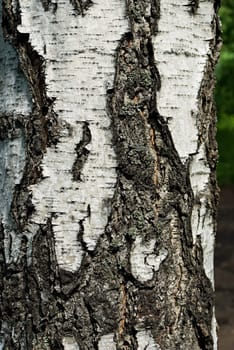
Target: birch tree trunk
107	174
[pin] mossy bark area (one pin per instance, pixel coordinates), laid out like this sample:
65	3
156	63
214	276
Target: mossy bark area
140	283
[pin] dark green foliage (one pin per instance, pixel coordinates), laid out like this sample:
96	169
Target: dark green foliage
225	68
225	138
225	96
226	14
225	85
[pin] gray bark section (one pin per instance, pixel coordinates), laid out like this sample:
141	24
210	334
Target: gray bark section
40	303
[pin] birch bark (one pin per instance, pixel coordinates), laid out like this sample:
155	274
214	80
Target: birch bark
107	174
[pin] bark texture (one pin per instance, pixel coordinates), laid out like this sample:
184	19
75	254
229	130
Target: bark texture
108	211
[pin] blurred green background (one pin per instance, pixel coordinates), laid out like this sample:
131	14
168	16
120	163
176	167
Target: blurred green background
225	96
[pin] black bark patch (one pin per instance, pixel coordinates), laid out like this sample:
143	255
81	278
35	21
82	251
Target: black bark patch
46	4
193	6
82	153
49	6
11	126
81	6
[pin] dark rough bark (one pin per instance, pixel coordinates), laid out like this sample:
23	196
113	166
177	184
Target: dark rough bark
153	197
154	214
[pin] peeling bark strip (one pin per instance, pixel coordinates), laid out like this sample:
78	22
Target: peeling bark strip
107	219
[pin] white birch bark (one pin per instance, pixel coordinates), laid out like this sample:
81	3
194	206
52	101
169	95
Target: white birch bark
15	99
79	55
